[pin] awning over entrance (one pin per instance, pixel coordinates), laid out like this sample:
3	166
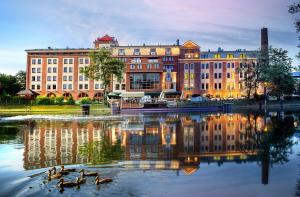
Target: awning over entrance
153	94
114	94
173	93
132	94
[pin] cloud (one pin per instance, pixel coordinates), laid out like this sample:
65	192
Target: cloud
230	24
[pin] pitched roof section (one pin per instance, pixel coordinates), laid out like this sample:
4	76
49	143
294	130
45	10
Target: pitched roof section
190	45
106	38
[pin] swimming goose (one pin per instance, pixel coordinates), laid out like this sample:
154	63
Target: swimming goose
54	175
87	174
101	181
61	183
61	172
63	169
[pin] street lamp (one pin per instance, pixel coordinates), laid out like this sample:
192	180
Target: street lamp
265	93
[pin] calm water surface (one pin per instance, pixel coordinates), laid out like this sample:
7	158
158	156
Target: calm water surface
154	155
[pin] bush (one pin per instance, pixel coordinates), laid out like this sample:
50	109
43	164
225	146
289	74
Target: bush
70	100
85	100
44	100
59	100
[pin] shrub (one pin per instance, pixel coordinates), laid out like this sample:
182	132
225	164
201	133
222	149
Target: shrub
59	100
43	100
70	100
85	100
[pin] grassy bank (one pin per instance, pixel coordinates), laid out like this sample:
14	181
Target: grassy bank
96	109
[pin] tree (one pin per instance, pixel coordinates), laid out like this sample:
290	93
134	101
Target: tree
277	72
251	72
9	85
21	78
103	67
295	9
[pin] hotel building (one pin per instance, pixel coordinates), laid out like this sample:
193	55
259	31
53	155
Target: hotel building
176	69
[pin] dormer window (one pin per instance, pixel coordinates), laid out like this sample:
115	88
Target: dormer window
168	51
217	55
242	56
153	51
229	56
121	52
136	52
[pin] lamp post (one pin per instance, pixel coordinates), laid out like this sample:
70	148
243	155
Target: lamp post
265	93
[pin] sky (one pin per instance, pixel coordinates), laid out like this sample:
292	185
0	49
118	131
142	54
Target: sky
230	24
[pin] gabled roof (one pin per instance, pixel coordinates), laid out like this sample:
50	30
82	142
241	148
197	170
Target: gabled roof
106	38
190	44
27	92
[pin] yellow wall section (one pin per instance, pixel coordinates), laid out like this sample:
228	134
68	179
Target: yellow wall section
161	51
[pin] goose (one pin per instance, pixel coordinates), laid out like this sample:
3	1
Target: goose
61	172
54	175
80	180
63	169
87	174
101	181
61	183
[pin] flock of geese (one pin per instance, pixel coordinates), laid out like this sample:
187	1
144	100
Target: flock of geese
54	174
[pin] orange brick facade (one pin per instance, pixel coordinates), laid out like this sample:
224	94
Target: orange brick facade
149	68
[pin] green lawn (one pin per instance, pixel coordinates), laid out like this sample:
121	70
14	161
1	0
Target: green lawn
96	109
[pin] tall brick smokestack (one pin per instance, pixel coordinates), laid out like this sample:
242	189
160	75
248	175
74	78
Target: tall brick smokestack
264	48
264	39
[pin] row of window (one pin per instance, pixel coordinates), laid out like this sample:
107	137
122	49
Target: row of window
35	70
189	66
138	51
53	78
65	78
118	87
140	66
68	61
36	78
168	59
68	68
53	69
36	61
84	60
219	137
68	86
52	61
38	87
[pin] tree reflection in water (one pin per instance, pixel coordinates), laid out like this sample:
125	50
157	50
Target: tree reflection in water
102	152
9	132
273	144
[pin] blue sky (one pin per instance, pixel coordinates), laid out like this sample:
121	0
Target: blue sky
231	24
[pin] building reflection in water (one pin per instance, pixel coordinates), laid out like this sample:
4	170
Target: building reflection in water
178	142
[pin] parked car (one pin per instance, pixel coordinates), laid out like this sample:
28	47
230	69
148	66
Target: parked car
198	98
146	99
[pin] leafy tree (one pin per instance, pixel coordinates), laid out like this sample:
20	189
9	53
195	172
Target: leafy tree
251	72
295	10
248	82
276	72
21	78
9	85
103	67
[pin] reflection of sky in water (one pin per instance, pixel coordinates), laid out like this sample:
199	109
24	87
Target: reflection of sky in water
11	157
228	179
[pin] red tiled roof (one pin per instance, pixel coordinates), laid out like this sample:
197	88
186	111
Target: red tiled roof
106	38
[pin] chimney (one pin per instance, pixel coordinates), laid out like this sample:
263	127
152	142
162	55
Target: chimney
264	39
177	42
